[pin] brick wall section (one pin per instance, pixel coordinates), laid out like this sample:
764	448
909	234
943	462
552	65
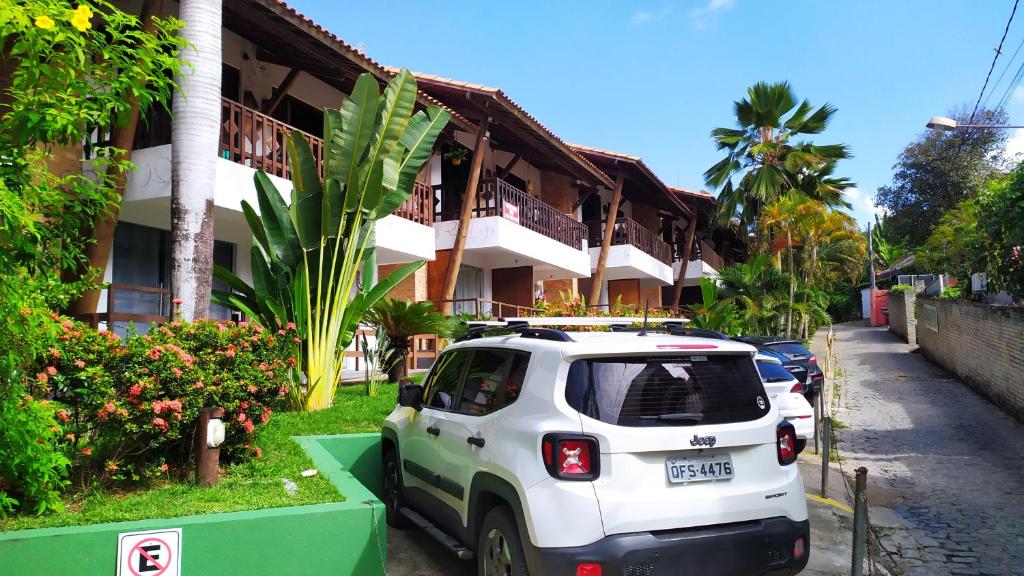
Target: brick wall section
412	289
902	320
982	344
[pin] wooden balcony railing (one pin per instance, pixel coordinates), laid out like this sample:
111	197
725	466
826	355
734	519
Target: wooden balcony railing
419	207
499	198
630	232
257	140
484	308
703	251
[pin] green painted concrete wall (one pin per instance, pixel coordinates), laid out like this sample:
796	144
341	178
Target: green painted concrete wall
342	538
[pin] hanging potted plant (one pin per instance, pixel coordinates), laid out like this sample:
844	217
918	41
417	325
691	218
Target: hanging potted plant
529	186
456	154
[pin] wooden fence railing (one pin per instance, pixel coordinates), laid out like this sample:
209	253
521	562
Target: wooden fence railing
630	232
499	198
482	307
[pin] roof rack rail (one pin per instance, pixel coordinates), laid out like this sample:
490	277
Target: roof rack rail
478	329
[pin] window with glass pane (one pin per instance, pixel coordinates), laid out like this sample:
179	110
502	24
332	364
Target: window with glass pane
443	384
493	381
667	390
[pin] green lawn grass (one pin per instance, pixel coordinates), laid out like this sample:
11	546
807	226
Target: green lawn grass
252	485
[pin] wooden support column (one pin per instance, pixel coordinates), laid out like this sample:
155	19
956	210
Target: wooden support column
207	458
677	293
280	91
609	230
504	172
468	201
101	231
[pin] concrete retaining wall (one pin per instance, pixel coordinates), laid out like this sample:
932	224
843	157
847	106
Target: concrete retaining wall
980	343
340	538
902	319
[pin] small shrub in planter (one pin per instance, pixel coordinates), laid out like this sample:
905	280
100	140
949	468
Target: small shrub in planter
129	408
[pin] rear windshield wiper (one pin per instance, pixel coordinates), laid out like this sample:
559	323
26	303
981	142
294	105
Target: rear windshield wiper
676	417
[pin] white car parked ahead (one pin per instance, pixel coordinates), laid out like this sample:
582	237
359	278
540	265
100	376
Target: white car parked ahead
598	454
788	393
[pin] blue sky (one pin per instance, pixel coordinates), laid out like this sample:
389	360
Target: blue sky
653	78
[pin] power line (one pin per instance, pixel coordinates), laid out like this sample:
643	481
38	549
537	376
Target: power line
1006	68
999	50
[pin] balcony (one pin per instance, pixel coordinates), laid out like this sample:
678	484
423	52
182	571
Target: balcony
499	198
704	263
255	140
630	232
635	252
250	141
510	228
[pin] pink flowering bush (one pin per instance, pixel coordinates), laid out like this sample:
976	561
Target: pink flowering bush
129	408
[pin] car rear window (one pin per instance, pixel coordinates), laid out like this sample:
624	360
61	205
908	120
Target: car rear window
772	372
791	349
667	390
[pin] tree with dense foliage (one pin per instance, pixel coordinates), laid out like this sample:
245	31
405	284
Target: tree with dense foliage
715	311
760	291
69	71
956	245
1002	222
766	156
935	172
307	255
887	252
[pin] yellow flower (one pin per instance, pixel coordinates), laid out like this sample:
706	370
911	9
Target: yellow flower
44	22
80	22
80	18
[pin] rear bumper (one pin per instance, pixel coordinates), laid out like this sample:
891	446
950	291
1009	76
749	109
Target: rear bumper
760	547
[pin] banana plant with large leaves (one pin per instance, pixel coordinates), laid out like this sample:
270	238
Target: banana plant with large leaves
306	255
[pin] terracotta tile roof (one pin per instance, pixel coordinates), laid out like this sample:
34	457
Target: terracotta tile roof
364	60
702	194
500	95
623	155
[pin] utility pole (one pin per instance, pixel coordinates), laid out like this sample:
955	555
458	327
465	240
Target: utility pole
871	259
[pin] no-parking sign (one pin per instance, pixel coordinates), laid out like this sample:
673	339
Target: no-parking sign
151	553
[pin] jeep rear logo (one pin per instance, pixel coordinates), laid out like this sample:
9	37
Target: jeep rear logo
708	441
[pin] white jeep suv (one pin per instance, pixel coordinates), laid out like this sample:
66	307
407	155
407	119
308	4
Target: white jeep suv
597	454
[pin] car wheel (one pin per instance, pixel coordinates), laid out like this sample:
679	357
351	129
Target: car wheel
801	443
393	491
499	549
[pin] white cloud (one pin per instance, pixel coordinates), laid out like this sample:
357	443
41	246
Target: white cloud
1014	146
640	17
852	193
869	204
701	14
1018	95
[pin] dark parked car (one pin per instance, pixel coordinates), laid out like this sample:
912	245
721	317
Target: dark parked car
796	354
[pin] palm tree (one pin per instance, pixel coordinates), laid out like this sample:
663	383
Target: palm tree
765	156
714	312
400	320
759	290
784	214
194	135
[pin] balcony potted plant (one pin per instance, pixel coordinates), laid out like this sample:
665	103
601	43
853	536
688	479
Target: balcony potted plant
456	154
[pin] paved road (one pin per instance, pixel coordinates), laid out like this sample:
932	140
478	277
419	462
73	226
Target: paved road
949	463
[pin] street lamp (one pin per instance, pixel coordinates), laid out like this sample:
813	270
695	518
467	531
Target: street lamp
943	123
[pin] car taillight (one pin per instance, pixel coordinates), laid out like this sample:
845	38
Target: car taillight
798	388
799	548
588	569
813	360
785	442
571	456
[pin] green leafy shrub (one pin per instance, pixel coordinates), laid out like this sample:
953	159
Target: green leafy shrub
901	289
952	293
129	408
33	469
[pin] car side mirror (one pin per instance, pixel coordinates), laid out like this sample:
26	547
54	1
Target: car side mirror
410	395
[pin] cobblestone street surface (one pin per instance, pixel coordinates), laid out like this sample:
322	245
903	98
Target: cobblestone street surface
946	467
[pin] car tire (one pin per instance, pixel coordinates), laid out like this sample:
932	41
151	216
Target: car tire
499	548
801	443
393	491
